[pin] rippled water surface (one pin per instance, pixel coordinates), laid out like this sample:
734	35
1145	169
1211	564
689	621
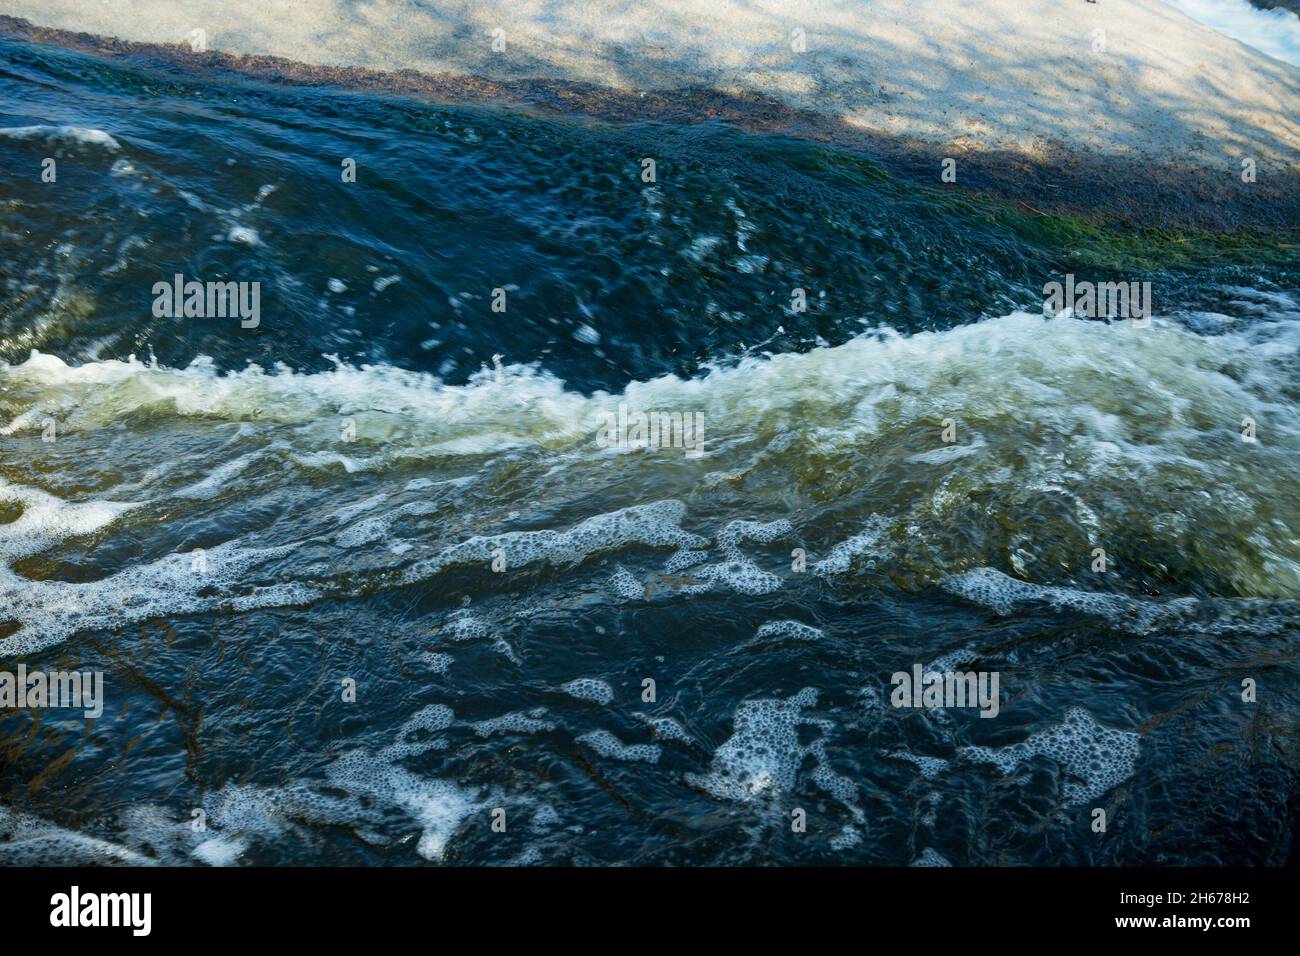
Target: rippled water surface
231	523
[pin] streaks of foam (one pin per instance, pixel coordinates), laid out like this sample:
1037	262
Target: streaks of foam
792	630
210	485
607	745
48	612
27	840
518	722
865	542
847	838
438	806
1093	758
1002	593
377	527
348	512
412	738
437	662
70	135
372	785
465	626
47	520
656	525
681	560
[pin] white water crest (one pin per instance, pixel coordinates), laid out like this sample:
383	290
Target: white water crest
67	135
1070	436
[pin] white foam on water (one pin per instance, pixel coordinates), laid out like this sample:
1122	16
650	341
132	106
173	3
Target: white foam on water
47	520
866	542
245	235
464	625
656	525
519	722
625	584
413	737
239	813
399	414
953	660
589	689
348	512
743	577
930	857
763	754
210	486
1070	383
947	454
1093	759
72	135
664	728
220	851
362	790
546	816
738	572
436	662
681	560
1003	594
379	527
607	745
848	837
27	840
439	807
762	758
793	630
49	612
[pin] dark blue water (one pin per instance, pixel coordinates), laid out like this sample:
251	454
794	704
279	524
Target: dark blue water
362	581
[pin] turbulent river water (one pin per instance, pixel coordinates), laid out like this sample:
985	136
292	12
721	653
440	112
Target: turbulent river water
363	583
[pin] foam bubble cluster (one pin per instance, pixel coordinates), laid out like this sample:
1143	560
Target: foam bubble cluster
793	630
362	790
664	728
49	612
518	722
738	572
655	525
1093	759
589	688
27	840
763	754
930	857
607	745
1003	593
